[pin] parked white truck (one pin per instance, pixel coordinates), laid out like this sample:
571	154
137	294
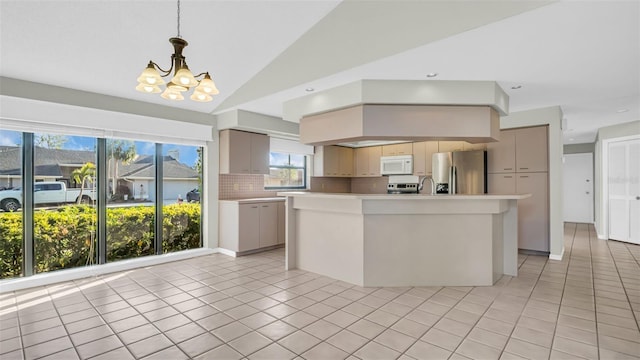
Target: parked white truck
45	193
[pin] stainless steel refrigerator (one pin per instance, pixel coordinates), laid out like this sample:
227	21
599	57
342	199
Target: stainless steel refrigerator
460	172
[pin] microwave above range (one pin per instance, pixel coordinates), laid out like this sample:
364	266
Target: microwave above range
396	165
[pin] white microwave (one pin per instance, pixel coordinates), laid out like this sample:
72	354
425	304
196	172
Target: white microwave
396	165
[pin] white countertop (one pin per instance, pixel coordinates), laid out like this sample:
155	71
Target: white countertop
409	197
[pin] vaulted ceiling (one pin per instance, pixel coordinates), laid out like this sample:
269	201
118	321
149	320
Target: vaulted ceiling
583	56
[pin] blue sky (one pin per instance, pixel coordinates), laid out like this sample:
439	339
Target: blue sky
187	154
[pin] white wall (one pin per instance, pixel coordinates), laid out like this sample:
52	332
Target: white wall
605	135
551	116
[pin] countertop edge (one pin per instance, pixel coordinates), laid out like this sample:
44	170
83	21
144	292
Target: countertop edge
410	197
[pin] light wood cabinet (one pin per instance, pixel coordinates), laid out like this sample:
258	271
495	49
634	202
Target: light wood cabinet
470	147
247	226
397	149
533	213
422	157
243	152
532	149
501	155
367	161
333	161
448	146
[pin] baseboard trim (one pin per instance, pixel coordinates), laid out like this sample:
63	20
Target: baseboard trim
602	237
227	252
53	277
557	257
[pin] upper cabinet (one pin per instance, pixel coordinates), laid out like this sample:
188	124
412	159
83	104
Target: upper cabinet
243	152
333	161
519	150
422	155
367	161
532	149
397	149
469	147
501	155
447	146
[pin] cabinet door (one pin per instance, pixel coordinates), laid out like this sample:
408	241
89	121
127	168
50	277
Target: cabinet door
501	155
404	148
259	154
361	156
331	161
533	213
249	232
389	150
235	152
469	147
375	152
419	158
531	149
281	222
447	146
346	161
268	224
431	148
501	183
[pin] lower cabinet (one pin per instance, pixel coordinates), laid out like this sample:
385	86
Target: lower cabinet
250	225
533	213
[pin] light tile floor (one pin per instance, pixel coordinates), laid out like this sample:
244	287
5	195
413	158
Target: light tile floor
218	307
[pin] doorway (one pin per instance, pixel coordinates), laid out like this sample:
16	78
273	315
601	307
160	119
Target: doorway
578	188
623	177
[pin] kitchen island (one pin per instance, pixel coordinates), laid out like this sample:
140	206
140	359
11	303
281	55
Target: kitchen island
403	240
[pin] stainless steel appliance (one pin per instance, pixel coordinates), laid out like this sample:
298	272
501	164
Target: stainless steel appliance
460	172
396	165
403	184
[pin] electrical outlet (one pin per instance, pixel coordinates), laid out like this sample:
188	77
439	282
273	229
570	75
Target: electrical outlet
250	187
374	185
322	187
236	187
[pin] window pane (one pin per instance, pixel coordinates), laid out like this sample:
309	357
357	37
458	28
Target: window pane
64	228
286	171
181	184
131	199
10	198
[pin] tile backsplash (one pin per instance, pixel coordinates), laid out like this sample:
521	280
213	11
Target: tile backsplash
331	184
369	185
235	186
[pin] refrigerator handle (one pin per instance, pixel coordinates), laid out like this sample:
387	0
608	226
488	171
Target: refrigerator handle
453	180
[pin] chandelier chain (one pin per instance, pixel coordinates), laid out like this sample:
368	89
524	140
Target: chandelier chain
178	18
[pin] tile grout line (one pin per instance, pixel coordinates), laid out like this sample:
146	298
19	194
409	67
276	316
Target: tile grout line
623	288
593	281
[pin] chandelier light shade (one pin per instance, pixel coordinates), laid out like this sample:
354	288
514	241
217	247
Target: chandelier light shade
151	78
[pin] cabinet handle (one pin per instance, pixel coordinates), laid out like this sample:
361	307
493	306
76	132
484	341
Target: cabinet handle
524	176
524	168
265	205
507	169
508	177
254	207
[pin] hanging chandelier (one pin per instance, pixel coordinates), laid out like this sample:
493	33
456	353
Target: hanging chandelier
151	78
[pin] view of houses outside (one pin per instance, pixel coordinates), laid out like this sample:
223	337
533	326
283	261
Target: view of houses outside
65	213
285	171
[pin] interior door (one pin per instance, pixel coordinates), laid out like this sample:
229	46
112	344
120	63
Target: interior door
624	190
578	188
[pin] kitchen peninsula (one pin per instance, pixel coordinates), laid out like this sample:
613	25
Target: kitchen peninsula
403	240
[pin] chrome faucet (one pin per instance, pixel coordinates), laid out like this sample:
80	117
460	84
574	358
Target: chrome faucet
433	184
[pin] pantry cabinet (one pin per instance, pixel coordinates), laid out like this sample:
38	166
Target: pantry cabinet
518	163
247	225
243	152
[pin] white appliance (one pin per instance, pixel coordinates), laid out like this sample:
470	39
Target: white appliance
396	165
403	184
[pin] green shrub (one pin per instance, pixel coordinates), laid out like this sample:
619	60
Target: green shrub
65	237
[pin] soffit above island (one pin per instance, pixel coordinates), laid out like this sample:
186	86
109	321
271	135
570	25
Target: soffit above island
408	110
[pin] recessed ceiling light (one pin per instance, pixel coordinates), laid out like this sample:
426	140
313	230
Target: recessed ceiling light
516	87
430	75
620	111
309	89
571	139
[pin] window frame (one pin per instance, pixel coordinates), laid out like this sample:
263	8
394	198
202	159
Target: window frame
304	169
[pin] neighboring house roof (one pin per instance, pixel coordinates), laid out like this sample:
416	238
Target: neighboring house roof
48	162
